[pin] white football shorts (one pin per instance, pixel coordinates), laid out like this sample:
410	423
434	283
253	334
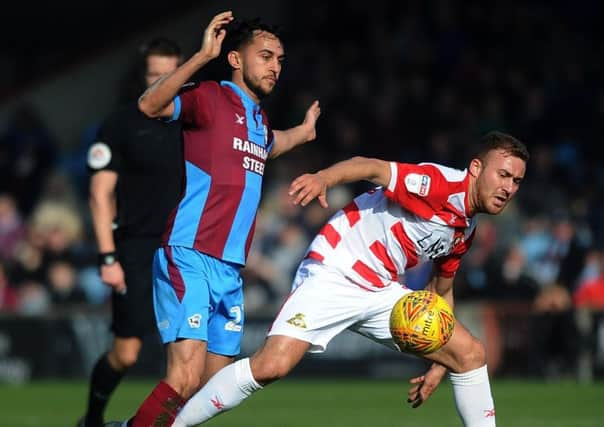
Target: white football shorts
323	303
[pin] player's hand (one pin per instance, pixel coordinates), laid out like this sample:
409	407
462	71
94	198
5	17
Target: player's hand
215	33
307	187
310	121
424	385
113	275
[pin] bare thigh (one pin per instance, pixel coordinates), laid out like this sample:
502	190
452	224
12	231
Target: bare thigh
277	357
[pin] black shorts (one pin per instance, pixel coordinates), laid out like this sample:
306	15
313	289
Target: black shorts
133	314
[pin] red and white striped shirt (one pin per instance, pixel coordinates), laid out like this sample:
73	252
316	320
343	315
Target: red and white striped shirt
422	215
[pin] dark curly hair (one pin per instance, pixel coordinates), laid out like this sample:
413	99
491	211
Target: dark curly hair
240	33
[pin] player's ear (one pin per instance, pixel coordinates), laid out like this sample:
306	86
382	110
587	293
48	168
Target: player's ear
475	167
234	59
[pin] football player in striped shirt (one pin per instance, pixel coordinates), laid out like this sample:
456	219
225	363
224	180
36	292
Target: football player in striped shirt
198	295
352	274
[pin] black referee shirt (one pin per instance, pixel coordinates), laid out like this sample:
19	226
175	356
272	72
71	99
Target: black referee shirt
147	156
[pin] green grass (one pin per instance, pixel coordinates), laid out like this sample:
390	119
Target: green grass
330	403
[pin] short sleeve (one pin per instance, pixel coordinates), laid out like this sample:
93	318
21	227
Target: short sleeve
104	153
270	137
413	185
196	103
448	265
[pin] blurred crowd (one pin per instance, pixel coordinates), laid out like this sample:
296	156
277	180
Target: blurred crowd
408	81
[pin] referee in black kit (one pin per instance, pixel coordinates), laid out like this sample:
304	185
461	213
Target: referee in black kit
136	179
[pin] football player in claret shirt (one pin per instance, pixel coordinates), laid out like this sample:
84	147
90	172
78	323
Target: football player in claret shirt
352	274
227	140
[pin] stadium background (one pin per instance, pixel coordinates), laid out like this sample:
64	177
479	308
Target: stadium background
409	81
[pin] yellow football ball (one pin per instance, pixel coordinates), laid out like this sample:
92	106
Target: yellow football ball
421	322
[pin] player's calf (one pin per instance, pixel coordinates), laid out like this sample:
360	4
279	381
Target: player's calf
465	357
225	390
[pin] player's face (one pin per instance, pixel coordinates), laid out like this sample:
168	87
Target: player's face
261	63
498	179
158	66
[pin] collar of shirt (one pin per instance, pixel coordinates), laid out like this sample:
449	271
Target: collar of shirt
245	98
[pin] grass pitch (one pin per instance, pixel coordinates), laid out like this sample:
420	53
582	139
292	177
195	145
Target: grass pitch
318	403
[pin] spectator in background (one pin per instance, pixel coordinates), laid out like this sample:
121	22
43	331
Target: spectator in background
136	179
60	228
12	229
49	254
27	155
8	295
589	293
557	269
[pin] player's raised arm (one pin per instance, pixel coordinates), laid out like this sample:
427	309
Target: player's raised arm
314	185
285	140
157	101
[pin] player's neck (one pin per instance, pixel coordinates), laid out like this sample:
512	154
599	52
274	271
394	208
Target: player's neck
237	79
472	199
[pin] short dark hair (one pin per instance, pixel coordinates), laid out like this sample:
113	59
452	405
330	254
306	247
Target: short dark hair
133	82
496	140
242	32
160	46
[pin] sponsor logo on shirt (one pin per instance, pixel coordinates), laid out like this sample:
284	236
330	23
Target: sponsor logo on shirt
255	162
298	321
435	244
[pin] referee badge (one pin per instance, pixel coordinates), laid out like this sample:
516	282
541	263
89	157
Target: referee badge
99	155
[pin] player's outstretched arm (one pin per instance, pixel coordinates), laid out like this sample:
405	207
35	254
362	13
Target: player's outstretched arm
285	140
309	186
157	101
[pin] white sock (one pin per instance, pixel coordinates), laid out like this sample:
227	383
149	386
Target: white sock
226	389
473	399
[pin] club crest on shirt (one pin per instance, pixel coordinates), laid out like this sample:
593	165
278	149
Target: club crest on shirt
418	184
99	155
298	321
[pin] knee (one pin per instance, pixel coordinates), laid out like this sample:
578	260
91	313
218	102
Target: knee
124	358
269	369
472	356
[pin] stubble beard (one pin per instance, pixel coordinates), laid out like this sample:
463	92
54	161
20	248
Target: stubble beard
256	88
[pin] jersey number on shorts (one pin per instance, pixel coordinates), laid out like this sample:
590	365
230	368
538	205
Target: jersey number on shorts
234	325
